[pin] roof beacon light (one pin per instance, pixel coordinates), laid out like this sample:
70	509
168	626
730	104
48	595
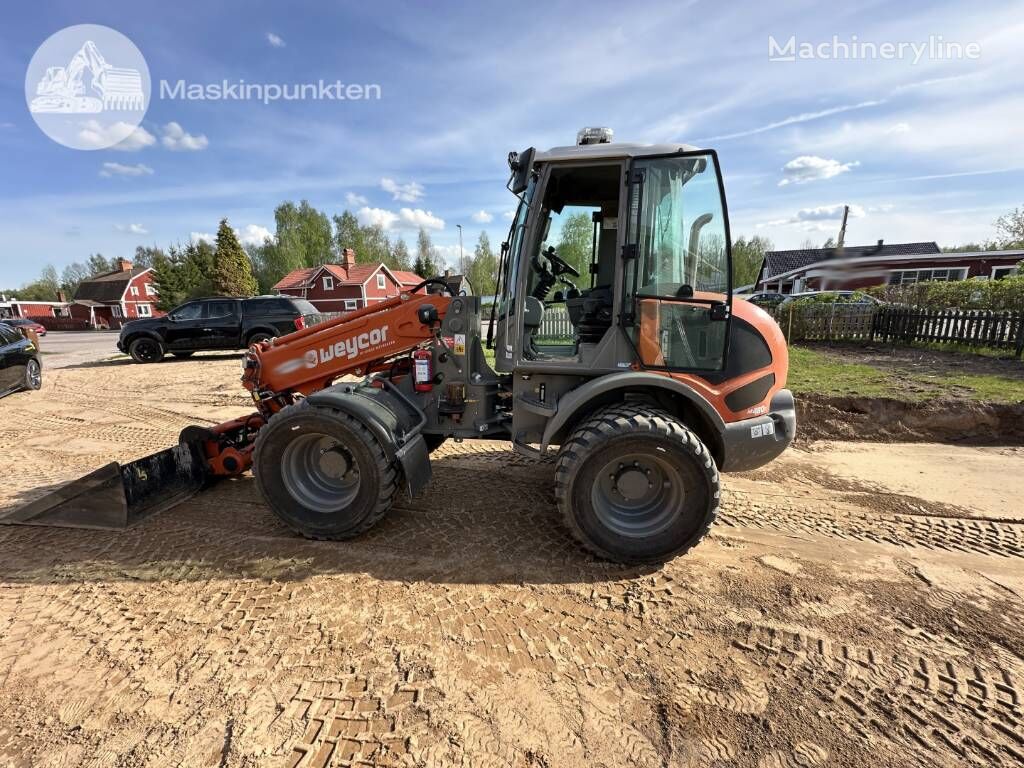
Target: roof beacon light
594	136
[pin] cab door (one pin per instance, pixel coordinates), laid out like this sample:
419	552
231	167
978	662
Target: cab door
221	326
677	275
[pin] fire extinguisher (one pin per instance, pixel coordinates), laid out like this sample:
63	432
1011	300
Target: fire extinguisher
423	370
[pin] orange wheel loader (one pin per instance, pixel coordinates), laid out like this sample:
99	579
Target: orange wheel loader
615	338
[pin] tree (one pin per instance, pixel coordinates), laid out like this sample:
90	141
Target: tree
232	273
348	234
576	241
426	255
375	244
747	258
71	277
1010	229
304	237
146	255
184	273
399	255
98	265
483	269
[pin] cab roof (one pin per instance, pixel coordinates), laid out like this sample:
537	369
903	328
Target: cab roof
610	151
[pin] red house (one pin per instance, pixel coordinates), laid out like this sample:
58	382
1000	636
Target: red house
110	299
345	287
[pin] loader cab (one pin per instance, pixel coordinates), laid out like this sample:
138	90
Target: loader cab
618	257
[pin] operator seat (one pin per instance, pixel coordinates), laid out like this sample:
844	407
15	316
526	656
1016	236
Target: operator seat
591	311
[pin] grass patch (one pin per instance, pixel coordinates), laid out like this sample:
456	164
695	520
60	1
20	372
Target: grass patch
813	371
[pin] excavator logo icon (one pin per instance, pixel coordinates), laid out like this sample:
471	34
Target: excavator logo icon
70	75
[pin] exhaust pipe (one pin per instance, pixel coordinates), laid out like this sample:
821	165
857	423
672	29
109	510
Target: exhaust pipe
119	495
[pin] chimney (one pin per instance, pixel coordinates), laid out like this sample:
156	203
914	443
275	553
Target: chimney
62	297
348	259
123	265
447	272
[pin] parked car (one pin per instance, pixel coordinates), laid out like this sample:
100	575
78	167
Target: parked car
214	323
764	299
24	322
838	297
20	367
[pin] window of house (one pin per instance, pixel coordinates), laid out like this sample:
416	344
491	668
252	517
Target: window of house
135	290
381	282
328	283
116	309
351	304
910	276
998	273
145	311
150	290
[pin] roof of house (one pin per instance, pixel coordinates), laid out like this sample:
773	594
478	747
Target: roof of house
109	287
780	262
406	278
356	275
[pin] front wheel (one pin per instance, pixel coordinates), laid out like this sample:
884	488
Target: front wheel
323	472
33	375
634	485
146	350
257	337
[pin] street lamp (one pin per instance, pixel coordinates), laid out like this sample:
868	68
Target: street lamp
462	254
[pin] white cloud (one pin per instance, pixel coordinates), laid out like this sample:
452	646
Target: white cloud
406	218
253	234
131	229
275	40
407	193
509	215
806	168
899	128
803	117
118	169
415	218
376	217
124	137
177	139
812	218
482	217
351	198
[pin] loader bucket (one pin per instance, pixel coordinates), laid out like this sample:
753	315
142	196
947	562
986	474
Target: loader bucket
118	495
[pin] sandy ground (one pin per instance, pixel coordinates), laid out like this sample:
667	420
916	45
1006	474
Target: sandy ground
856	605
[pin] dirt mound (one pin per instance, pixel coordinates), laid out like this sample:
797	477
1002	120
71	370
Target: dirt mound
884	419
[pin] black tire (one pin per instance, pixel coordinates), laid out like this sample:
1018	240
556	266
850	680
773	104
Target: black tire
434	442
599	482
33	374
146	350
321	501
183	354
258	337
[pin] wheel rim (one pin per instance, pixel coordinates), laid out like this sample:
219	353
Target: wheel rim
35	374
320	473
148	351
638	495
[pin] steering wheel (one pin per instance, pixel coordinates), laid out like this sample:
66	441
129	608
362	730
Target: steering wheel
557	261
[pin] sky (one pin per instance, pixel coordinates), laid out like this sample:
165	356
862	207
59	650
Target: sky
926	149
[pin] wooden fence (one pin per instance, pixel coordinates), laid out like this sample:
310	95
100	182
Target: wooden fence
902	325
556	326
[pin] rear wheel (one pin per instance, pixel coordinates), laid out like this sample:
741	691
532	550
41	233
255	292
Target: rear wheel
33	375
146	350
323	472
257	337
635	485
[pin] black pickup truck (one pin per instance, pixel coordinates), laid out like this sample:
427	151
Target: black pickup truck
214	323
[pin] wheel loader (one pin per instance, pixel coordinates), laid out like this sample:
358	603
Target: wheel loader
629	354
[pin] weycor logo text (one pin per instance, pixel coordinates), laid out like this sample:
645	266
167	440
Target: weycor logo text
348	348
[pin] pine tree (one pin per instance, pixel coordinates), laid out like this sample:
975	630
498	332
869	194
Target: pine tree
426	255
232	273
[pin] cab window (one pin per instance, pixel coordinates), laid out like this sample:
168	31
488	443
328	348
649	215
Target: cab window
191	311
